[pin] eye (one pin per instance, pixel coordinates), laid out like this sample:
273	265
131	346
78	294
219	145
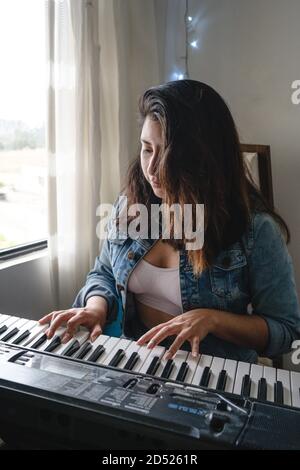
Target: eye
146	151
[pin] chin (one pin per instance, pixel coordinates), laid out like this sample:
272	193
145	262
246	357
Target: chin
158	192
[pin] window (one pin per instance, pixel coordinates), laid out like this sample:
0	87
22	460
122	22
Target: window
23	215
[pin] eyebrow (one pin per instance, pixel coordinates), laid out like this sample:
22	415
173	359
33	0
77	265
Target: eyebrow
146	142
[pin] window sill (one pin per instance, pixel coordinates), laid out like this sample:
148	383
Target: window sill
23	258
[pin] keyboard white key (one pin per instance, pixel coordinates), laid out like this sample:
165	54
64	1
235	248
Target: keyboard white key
36	331
157	351
143	352
215	369
256	373
59	332
3	317
284	377
270	376
192	363
12	323
29	325
178	359
131	349
243	369
122	344
81	336
89	347
295	389
230	367
109	347
9	322
204	361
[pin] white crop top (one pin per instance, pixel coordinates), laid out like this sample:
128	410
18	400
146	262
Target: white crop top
156	287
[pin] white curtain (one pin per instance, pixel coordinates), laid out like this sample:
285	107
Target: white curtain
101	56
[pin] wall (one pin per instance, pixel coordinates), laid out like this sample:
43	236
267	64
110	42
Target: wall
249	52
25	286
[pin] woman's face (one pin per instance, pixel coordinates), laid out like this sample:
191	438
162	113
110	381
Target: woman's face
151	140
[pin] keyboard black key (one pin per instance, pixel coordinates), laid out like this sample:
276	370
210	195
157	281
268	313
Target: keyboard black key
246	386
117	358
132	361
10	334
167	369
205	377
84	350
182	372
96	354
221	384
278	392
71	349
54	344
153	366
262	389
39	341
21	338
3	329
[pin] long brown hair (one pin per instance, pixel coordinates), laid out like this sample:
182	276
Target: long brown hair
201	162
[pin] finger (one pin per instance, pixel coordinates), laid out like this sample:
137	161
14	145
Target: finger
195	342
61	318
161	335
96	331
47	318
147	336
72	325
180	339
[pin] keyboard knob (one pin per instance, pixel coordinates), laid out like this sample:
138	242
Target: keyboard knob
216	421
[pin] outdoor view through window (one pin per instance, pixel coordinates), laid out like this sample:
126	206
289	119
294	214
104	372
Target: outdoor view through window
22	124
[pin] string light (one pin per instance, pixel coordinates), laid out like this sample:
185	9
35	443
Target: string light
188	23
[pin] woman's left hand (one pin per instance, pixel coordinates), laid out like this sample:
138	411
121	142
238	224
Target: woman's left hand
190	326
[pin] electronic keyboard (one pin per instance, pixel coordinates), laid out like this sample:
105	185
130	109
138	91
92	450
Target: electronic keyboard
113	393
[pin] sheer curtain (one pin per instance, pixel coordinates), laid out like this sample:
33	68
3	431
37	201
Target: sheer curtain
101	55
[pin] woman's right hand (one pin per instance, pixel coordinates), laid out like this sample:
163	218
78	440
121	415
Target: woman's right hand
93	317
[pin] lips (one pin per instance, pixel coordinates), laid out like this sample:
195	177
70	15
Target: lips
155	183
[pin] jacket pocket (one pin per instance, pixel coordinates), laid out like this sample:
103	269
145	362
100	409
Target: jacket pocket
228	275
116	245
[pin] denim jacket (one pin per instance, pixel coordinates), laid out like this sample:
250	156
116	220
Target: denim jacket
253	276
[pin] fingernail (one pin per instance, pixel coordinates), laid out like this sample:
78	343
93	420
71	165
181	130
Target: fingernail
194	354
168	356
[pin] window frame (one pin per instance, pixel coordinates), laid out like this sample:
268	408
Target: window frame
21	250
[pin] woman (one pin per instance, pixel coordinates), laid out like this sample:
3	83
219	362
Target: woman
235	297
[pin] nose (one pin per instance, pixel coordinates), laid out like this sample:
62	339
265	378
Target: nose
153	165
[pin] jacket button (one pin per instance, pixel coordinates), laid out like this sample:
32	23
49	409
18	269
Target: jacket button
130	255
226	262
